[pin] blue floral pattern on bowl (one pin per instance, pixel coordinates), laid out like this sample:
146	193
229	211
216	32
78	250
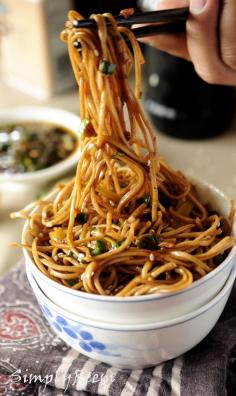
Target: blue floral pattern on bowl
76	333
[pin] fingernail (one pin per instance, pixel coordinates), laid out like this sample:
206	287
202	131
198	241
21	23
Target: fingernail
149	5
197	6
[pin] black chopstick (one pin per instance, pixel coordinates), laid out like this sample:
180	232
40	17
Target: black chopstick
140	18
152	30
163	28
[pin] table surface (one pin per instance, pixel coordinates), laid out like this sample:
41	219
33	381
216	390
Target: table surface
213	160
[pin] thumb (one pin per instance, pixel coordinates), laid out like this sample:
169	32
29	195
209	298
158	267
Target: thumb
203	43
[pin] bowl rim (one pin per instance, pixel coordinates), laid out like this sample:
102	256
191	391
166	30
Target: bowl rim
50	114
133	327
142	298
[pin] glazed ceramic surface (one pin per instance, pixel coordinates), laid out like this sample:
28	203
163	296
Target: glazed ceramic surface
133	346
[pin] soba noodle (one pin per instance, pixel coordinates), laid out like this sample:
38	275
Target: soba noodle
127	224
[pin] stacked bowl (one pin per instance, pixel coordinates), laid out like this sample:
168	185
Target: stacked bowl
137	332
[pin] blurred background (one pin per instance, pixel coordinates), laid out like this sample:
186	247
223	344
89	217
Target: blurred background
195	121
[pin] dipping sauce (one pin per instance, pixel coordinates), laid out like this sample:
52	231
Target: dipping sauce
32	146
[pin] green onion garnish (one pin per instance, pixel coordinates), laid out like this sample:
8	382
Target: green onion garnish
119	154
100	247
82	218
117	244
72	282
149	242
106	67
144	199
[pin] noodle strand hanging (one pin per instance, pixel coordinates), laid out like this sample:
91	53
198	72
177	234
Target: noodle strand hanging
127	224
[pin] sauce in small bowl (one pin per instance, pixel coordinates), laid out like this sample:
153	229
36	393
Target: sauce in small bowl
32	145
38	146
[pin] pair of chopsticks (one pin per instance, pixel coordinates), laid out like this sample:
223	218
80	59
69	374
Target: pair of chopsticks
158	22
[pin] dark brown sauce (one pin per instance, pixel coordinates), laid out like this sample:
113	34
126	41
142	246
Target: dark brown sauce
34	145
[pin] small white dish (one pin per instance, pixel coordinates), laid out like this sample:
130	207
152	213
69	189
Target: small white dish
147	308
18	189
133	346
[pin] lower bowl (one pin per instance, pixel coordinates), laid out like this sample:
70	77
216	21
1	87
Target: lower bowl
133	346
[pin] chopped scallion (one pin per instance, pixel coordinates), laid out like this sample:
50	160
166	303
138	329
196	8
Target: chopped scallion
117	244
119	154
149	242
144	199
82	218
106	67
100	247
72	282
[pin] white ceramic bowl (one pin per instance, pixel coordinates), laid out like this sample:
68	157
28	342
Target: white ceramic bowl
149	307
133	346
26	185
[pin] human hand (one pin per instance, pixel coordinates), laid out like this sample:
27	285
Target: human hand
209	41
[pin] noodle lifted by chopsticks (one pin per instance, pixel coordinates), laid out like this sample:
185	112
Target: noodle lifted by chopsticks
127	224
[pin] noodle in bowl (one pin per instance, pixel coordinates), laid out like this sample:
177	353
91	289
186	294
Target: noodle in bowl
158	307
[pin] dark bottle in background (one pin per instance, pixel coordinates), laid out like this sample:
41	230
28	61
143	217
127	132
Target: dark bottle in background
180	103
86	8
